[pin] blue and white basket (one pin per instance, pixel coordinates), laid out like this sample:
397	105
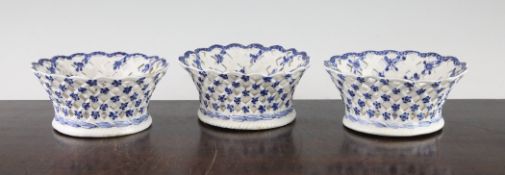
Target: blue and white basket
245	87
100	94
394	93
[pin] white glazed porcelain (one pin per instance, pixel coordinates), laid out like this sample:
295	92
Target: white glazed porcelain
245	87
393	93
100	94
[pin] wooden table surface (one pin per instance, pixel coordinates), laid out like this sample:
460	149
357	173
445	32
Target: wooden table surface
472	142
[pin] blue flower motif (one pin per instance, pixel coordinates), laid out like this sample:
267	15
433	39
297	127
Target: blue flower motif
129	113
255	86
117	64
351	93
264	92
360	79
385	97
377	105
245	109
94	99
354	65
404	116
123	106
228	90
420	116
274	85
245	93
414	107
95	114
127	90
104	90
420	91
254	100
116	83
50	78
78	114
426	99
91	82
63	88
134	96
395	107
406	99
384	81
235	84
375	88
69	81
219	58
113	115
104	107
270	99
435	85
367	96
74	96
140	80
237	100
396	91
85	106
261	108
386	115
230	107
78	66
114	99
361	103
221	98
245	78
81	89
391	63
370	113
215	106
428	67
284	96
137	103
275	106
211	89
355	87
357	110
223	76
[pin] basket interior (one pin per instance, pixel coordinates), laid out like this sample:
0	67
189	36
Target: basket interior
407	65
252	59
98	65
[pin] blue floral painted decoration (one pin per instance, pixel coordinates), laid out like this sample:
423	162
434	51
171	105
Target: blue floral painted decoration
245	86
100	90
394	93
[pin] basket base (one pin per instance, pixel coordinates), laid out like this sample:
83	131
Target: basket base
101	132
393	132
248	125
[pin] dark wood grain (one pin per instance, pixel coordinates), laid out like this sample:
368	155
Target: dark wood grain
473	142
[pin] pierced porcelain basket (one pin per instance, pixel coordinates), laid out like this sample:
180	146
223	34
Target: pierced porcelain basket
245	87
394	93
100	94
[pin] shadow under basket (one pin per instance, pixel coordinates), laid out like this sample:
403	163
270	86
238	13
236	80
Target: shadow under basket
245	87
100	94
394	93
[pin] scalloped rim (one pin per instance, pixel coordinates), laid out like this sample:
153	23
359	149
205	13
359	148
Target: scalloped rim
90	56
327	64
304	55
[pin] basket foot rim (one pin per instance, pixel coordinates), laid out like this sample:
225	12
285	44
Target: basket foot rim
247	125
101	132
